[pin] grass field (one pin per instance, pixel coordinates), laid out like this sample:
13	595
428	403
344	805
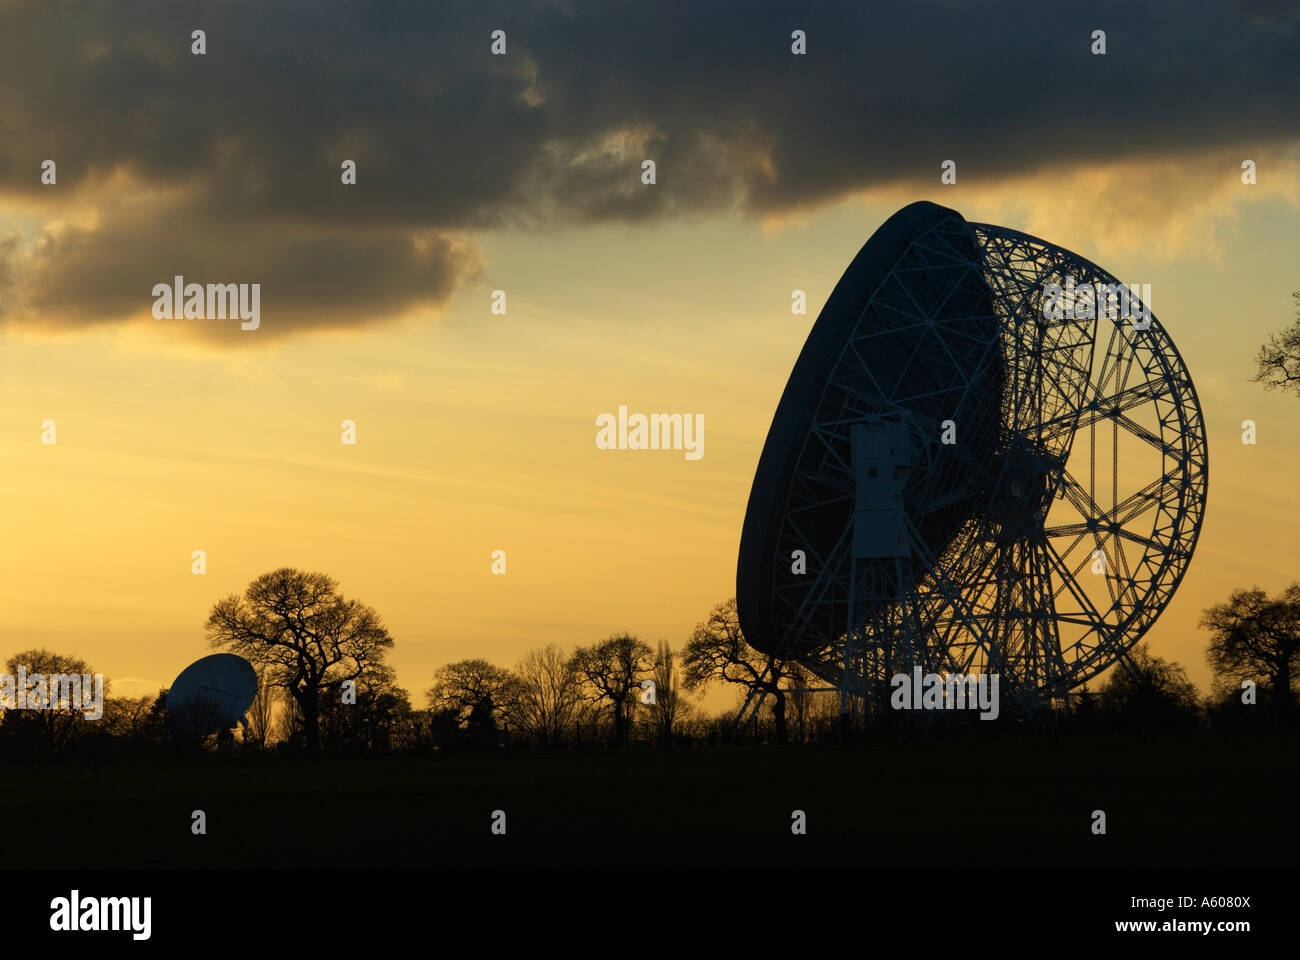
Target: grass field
1194	801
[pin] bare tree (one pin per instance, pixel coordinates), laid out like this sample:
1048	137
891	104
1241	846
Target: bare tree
1149	691
261	710
473	688
1278	360
1253	636
129	717
670	705
288	721
612	671
298	625
368	715
53	728
801	697
718	651
545	696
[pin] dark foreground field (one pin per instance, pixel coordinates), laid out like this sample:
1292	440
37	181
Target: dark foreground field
1198	801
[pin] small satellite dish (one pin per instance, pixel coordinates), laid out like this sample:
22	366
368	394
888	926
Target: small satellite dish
212	694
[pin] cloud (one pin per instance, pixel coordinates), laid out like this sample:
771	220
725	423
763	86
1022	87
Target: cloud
226	166
1160	206
136	687
103	270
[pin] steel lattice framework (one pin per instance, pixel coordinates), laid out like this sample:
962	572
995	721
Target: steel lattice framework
1042	539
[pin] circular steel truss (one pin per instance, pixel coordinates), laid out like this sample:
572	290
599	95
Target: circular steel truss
1047	476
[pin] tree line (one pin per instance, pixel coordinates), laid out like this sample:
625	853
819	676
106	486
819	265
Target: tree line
324	686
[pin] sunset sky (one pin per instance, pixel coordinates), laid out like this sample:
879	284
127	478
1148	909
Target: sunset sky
475	431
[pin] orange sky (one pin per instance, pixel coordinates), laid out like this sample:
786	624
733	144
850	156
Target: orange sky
476	432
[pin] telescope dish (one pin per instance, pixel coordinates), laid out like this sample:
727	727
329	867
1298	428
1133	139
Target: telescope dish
983	475
212	694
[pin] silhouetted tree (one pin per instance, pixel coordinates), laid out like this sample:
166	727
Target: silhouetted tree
444	728
481	725
414	732
198	721
297	624
261	711
670	706
477	690
1253	637
801	697
1085	714
154	729
52	730
718	651
1278	360
1227	710
612	672
366	717
544	699
158	727
288	720
129	717
1149	693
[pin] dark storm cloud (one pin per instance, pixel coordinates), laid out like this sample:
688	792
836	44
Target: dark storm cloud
248	139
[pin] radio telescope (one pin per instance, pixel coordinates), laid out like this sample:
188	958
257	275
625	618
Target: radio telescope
976	484
212	694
